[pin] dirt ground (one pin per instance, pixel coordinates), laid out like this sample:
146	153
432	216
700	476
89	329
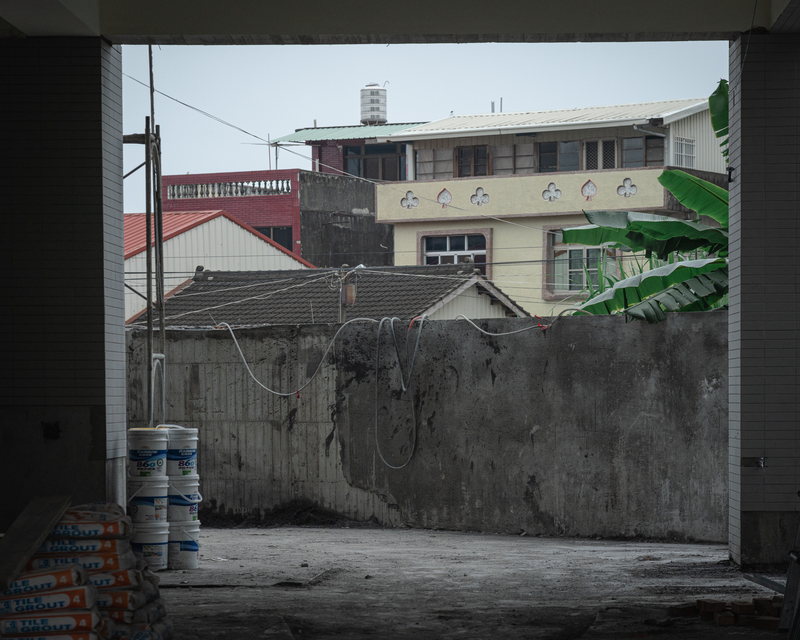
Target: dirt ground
369	582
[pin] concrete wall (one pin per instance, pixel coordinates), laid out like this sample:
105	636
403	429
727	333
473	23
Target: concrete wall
62	354
337	221
597	428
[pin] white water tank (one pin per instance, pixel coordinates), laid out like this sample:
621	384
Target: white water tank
373	104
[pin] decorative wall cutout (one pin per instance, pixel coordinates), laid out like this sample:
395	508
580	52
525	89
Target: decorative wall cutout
480	197
410	201
589	189
444	198
551	193
627	188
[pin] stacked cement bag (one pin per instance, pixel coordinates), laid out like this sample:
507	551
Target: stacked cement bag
163	496
85	583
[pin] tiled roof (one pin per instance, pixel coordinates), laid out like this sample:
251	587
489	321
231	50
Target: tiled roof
304	297
532	121
178	222
354	132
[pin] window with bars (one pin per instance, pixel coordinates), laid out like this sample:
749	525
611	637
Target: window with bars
434	164
684	152
643	151
456	249
600	154
472	161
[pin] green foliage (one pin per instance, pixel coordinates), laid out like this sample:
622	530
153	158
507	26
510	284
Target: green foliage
699	195
718	108
700	293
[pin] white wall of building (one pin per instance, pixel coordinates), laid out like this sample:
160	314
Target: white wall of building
219	245
697	127
471	304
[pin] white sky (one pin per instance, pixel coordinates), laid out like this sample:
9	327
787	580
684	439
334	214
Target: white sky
273	90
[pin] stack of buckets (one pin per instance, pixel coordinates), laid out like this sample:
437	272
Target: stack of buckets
163	495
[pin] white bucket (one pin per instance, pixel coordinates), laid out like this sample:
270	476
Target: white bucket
147	498
150	542
181	451
184	545
184	496
147	453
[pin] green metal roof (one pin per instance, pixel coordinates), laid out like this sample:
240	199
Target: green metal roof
317	134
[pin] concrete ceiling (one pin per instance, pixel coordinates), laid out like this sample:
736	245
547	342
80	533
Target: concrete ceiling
325	22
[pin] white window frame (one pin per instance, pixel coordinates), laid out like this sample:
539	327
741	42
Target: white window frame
458	255
486	232
685	152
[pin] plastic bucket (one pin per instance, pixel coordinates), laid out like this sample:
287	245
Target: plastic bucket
147	453
181	450
184	496
150	541
147	498
184	545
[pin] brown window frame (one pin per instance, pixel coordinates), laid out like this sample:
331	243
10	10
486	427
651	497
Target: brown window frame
457	166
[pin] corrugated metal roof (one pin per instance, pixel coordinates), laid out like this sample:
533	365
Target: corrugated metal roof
294	297
178	222
531	121
356	132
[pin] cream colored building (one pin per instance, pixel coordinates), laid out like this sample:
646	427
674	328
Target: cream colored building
497	188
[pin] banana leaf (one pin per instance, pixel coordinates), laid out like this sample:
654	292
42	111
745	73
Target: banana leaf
635	289
699	293
697	194
645	232
718	107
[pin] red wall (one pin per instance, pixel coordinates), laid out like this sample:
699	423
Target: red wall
257	211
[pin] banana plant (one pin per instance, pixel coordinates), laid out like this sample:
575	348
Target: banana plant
718	108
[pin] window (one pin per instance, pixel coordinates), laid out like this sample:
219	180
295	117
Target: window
472	161
684	152
558	156
643	151
571	264
281	235
512	158
456	249
434	164
376	161
600	154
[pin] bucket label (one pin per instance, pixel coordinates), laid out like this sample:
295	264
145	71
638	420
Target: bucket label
147	462
153	553
182	462
149	509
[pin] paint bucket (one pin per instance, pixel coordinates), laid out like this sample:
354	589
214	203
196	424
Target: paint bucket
181	450
147	453
184	545
184	496
147	498
150	542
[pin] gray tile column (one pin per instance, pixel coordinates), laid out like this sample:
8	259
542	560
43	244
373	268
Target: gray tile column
62	357
764	448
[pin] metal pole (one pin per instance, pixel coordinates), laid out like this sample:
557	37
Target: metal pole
160	245
149	258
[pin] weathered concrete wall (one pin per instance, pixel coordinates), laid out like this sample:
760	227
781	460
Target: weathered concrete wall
598	428
337	222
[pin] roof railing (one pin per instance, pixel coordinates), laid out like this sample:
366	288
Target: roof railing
242	188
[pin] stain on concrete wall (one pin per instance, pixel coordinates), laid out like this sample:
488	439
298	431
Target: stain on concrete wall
599	427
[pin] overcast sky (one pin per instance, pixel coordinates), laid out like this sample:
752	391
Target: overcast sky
273	90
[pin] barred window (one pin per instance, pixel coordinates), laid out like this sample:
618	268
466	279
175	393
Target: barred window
684	152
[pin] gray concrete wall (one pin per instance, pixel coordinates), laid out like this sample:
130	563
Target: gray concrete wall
62	377
764	297
337	222
601	427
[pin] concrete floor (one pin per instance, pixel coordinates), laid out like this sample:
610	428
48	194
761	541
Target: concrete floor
297	582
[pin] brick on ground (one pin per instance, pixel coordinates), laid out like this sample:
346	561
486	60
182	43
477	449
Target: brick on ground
724	619
684	610
744	620
767	623
763	606
743	608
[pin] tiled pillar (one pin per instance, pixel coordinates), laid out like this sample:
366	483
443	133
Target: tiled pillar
764	450
62	349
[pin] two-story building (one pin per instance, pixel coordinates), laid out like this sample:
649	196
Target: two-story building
497	188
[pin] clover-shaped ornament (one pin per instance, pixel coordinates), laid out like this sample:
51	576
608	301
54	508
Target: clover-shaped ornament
551	193
627	188
410	201
480	197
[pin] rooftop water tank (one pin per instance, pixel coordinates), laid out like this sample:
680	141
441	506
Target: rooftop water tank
373	104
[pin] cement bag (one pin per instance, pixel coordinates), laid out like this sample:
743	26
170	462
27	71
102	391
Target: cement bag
97	562
99	507
129	579
62	622
76	598
59	636
118	527
144	635
36	581
164	628
121	599
121	631
72	547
